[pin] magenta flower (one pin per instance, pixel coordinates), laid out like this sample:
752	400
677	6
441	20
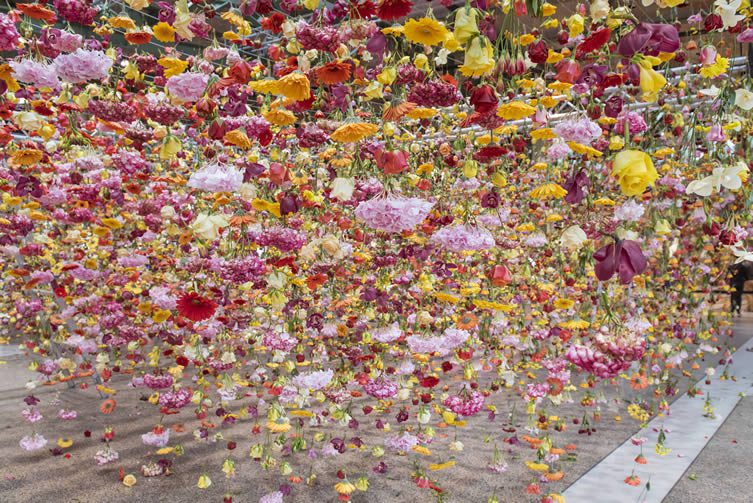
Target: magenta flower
622	256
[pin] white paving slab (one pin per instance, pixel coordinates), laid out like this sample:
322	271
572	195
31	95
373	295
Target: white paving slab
689	432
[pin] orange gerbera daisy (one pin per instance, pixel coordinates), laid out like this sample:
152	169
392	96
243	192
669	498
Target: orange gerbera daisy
395	112
36	11
333	73
468	321
107	406
138	37
638	381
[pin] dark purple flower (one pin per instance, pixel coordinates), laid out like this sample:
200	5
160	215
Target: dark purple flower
575	185
624	257
649	39
592	75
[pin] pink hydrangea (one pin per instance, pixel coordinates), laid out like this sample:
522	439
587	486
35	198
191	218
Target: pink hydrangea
162	298
156	439
187	86
275	497
216	178
314	380
9	35
460	238
449	340
35	73
584	131
387	334
402	443
33	442
82	66
393	214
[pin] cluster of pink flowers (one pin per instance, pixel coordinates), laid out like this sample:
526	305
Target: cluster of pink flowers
188	86
401	443
449	340
460	238
584	131
635	121
75	11
282	341
393	214
156	439
314	380
325	38
106	455
380	388
466	405
33	442
35	73
242	270
435	93
9	35
216	178
387	334
82	66
175	399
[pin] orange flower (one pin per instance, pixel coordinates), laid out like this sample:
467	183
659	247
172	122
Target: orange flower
395	112
36	11
333	73
468	321
633	480
638	381
554	476
555	386
107	406
138	37
641	459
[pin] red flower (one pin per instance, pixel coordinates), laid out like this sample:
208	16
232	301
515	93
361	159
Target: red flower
538	52
195	307
391	162
568	71
484	99
394	9
273	23
594	41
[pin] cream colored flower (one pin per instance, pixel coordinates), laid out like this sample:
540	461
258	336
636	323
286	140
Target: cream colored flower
208	226
342	188
573	238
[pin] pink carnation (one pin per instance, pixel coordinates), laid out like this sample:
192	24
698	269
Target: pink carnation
9	35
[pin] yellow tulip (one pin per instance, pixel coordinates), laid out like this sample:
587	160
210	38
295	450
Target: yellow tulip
204	481
651	81
479	58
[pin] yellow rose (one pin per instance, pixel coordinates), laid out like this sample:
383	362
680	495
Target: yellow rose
634	171
479	58
465	24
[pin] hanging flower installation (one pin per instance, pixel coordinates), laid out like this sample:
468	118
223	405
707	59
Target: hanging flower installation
339	231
